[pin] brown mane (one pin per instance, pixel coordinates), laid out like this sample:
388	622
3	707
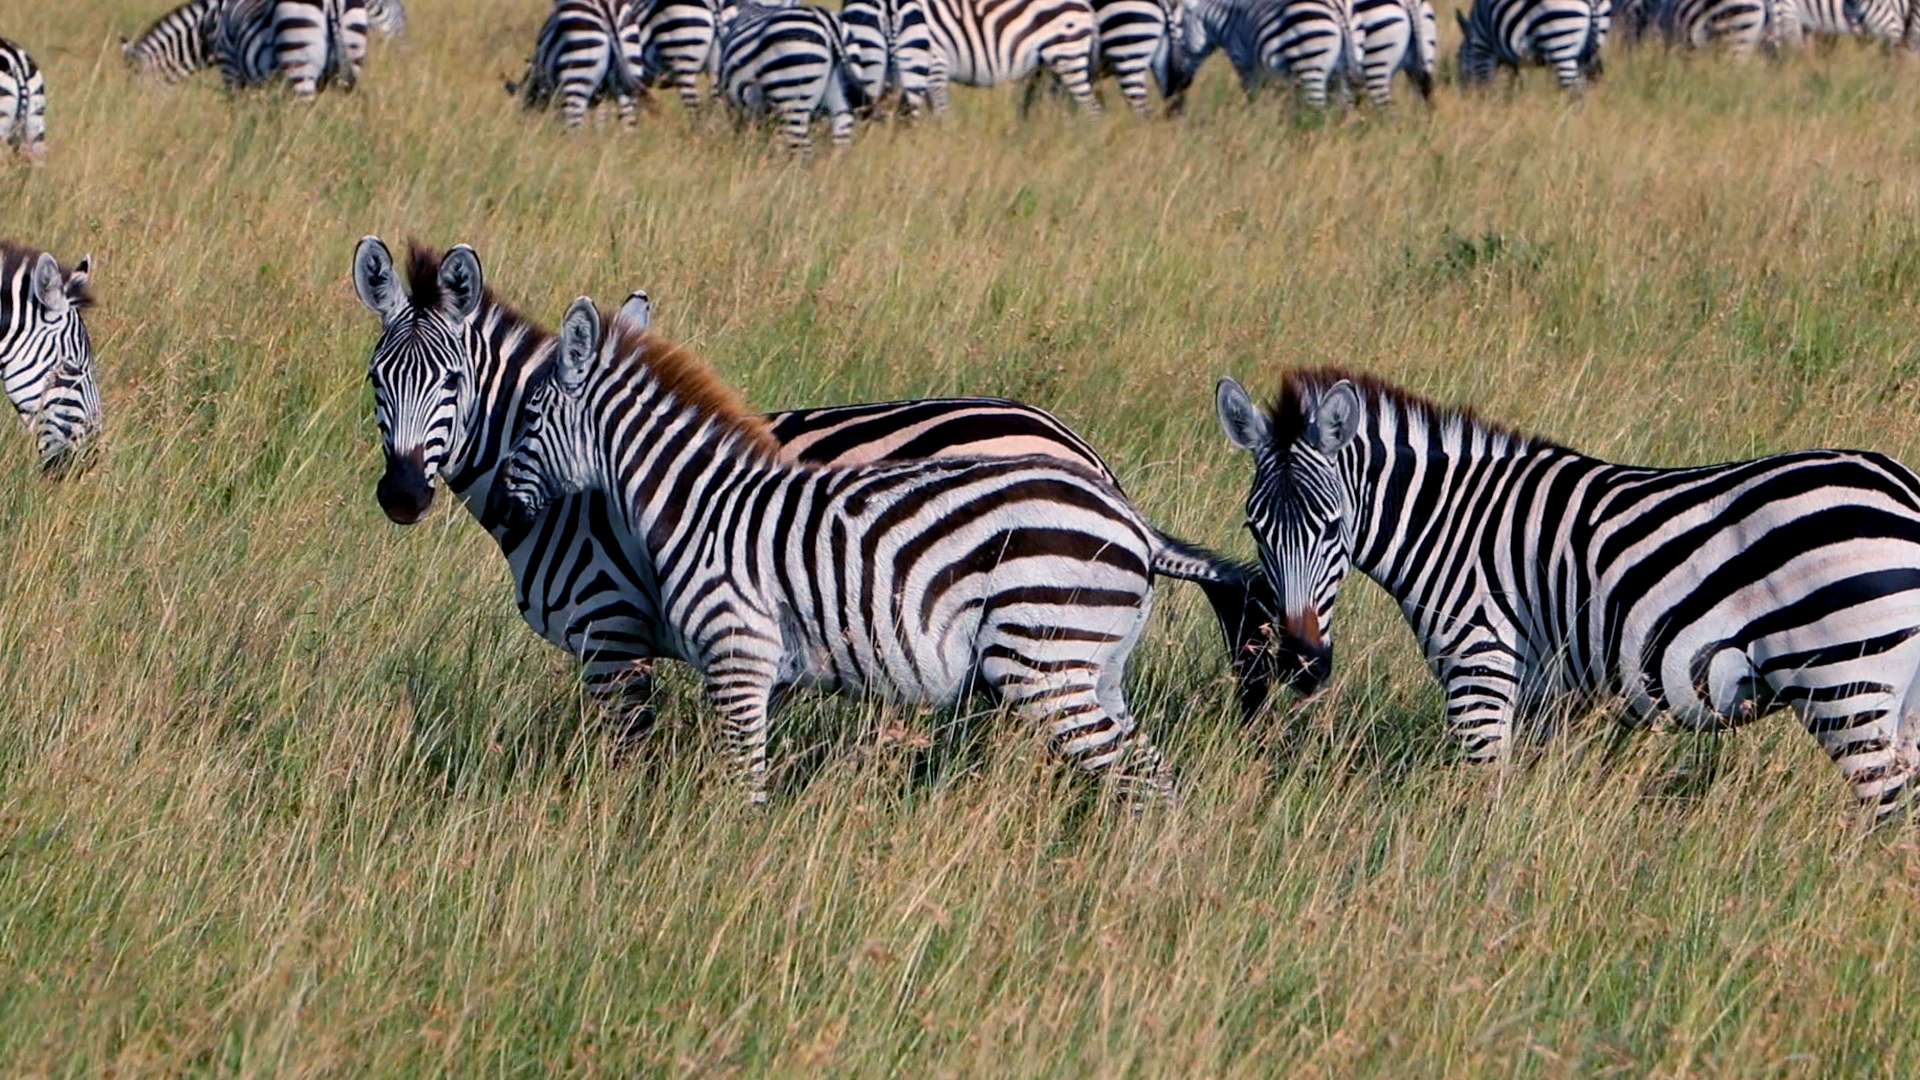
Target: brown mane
688	379
1287	415
423	290
15	253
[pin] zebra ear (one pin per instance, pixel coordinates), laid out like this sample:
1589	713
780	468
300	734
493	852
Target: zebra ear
374	280
1335	418
460	281
579	344
1239	417
49	286
637	312
78	278
1461	18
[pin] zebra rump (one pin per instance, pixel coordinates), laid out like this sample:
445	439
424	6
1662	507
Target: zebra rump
313	43
588	50
23	102
787	61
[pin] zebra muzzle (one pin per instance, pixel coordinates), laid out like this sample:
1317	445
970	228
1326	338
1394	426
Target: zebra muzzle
404	491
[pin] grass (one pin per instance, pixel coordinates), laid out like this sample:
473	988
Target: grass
286	790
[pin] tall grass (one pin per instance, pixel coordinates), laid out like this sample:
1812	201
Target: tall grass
286	790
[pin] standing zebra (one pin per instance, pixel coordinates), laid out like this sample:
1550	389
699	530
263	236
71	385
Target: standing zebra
311	42
178	43
1530	572
46	359
1392	36
587	50
448	374
1311	40
1884	21
787	60
674	41
989	42
23	102
908	579
1741	26
1565	35
889	49
1141	37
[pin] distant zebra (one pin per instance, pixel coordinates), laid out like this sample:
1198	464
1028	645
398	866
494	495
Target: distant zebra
1392	36
1884	21
1532	573
788	61
990	42
587	50
311	42
674	40
912	580
1740	26
1310	40
448	374
1565	35
387	16
23	102
889	49
178	43
46	359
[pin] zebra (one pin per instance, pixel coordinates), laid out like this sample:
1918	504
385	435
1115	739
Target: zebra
23	102
387	16
311	42
46	359
674	41
1392	36
1531	572
989	42
914	580
889	49
178	43
448	374
1565	35
1741	26
587	49
1311	40
1884	21
1137	38
788	60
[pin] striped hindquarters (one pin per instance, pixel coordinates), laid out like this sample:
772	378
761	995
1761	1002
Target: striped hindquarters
673	40
990	42
178	43
888	49
23	102
1739	25
1509	33
311	42
581	57
788	62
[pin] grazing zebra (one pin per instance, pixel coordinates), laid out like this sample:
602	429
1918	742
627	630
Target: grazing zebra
46	360
910	579
1741	26
674	40
787	61
1391	36
1565	35
178	43
1311	40
448	374
1884	21
1531	572
311	42
387	16
989	42
23	102
587	50
889	49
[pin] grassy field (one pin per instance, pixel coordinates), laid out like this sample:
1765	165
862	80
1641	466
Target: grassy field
286	790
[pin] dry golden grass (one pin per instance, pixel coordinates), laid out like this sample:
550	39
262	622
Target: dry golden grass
288	791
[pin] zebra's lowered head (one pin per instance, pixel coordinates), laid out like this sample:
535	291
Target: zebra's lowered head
46	359
421	369
551	454
1299	510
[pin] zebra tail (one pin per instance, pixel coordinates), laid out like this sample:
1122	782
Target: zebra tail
856	91
338	65
1242	601
1422	61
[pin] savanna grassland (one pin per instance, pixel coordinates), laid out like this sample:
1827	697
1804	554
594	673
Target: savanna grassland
287	790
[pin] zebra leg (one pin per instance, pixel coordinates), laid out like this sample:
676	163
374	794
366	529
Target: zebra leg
1069	62
1133	87
937	83
740	688
627	691
688	83
1480	704
1861	733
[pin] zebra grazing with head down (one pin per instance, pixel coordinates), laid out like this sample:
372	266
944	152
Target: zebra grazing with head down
178	43
588	50
787	60
1138	38
674	41
448	374
311	42
1391	36
1566	35
909	579
1531	572
23	102
1884	21
1310	40
889	50
990	42
46	359
1740	26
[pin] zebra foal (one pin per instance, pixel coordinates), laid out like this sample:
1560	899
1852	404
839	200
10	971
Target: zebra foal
46	358
1532	573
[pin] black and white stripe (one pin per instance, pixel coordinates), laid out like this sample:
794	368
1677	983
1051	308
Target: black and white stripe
1739	26
178	43
1532	573
448	374
1884	21
23	102
914	580
588	50
991	42
1565	35
787	61
889	49
46	359
1310	41
314	43
388	17
1391	36
674	41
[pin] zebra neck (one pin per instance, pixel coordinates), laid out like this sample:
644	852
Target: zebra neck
508	354
673	470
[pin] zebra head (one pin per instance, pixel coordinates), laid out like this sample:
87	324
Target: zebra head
1177	58
422	367
552	454
1299	510
46	359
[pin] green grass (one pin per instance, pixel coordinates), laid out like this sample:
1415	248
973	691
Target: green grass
286	790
